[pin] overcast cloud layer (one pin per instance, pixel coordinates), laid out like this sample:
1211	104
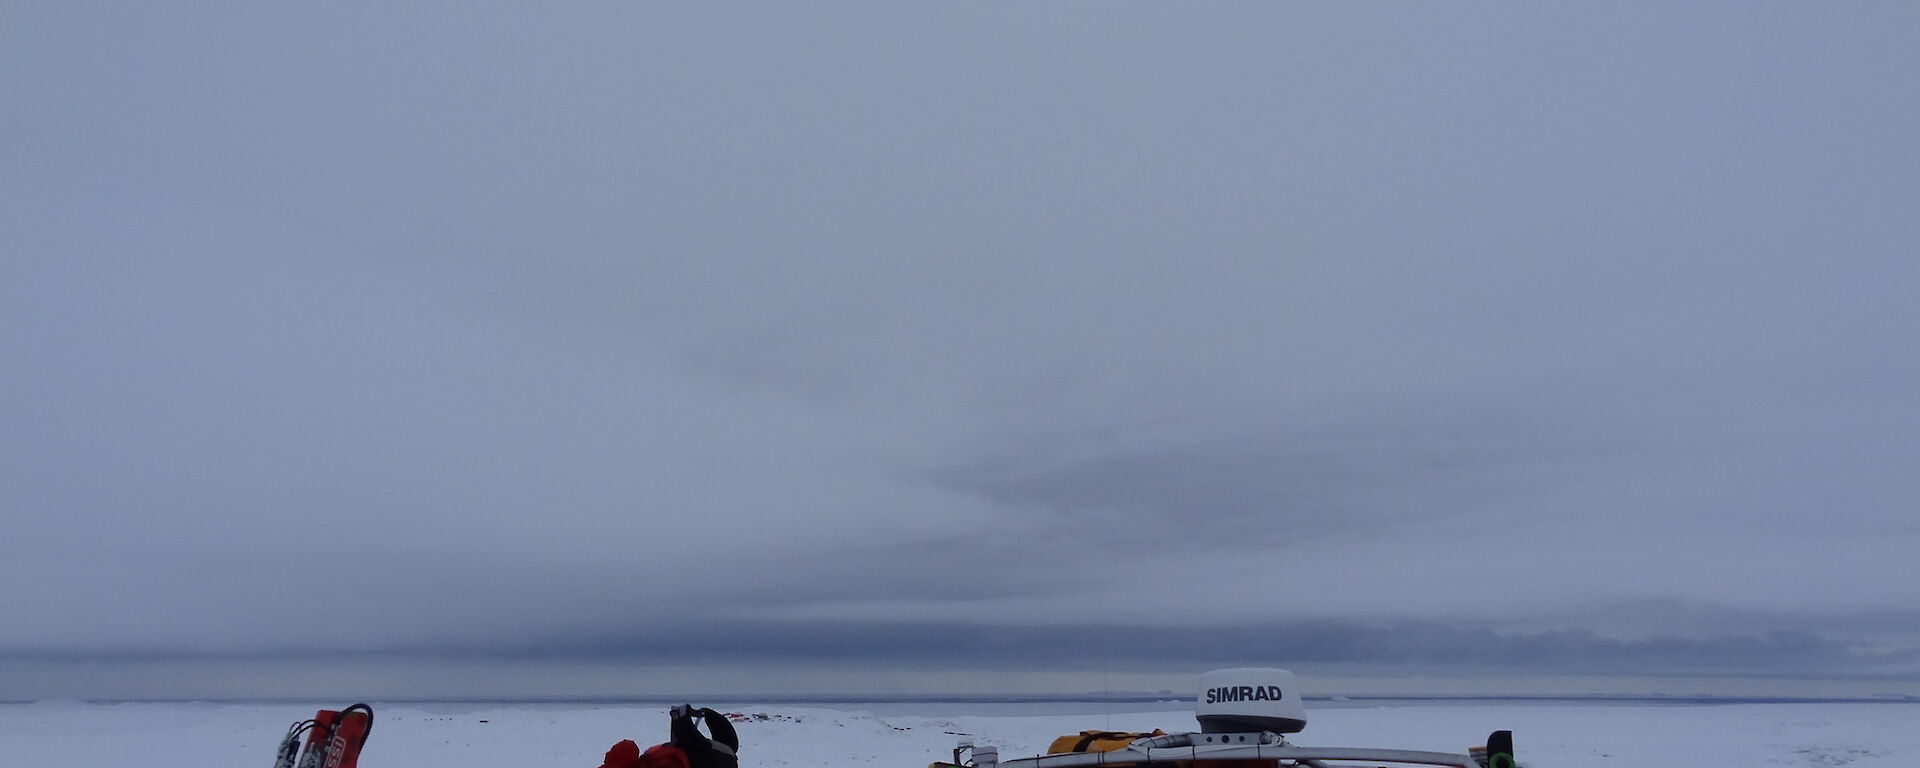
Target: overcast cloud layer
1485	339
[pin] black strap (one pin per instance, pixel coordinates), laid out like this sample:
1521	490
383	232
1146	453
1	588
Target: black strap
362	707
685	732
722	729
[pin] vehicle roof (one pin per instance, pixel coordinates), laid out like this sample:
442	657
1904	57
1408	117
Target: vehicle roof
1261	752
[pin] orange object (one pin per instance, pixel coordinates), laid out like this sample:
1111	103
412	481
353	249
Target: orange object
1097	741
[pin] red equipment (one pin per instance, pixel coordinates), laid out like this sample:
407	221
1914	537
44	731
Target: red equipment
334	739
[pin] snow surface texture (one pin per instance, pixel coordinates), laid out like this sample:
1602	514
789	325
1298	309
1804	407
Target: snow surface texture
59	734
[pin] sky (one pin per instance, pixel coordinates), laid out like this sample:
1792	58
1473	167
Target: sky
620	349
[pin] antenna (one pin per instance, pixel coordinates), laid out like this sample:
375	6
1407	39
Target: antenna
1106	697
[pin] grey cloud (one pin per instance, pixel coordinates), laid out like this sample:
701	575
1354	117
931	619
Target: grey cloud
1278	486
1325	646
494	329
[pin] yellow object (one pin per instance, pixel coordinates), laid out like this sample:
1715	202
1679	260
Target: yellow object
1097	741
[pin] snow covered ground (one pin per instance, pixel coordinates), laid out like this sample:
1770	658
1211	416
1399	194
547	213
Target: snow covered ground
61	734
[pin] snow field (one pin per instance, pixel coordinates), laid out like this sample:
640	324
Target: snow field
62	734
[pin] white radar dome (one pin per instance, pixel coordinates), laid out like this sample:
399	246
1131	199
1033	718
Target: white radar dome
1248	700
